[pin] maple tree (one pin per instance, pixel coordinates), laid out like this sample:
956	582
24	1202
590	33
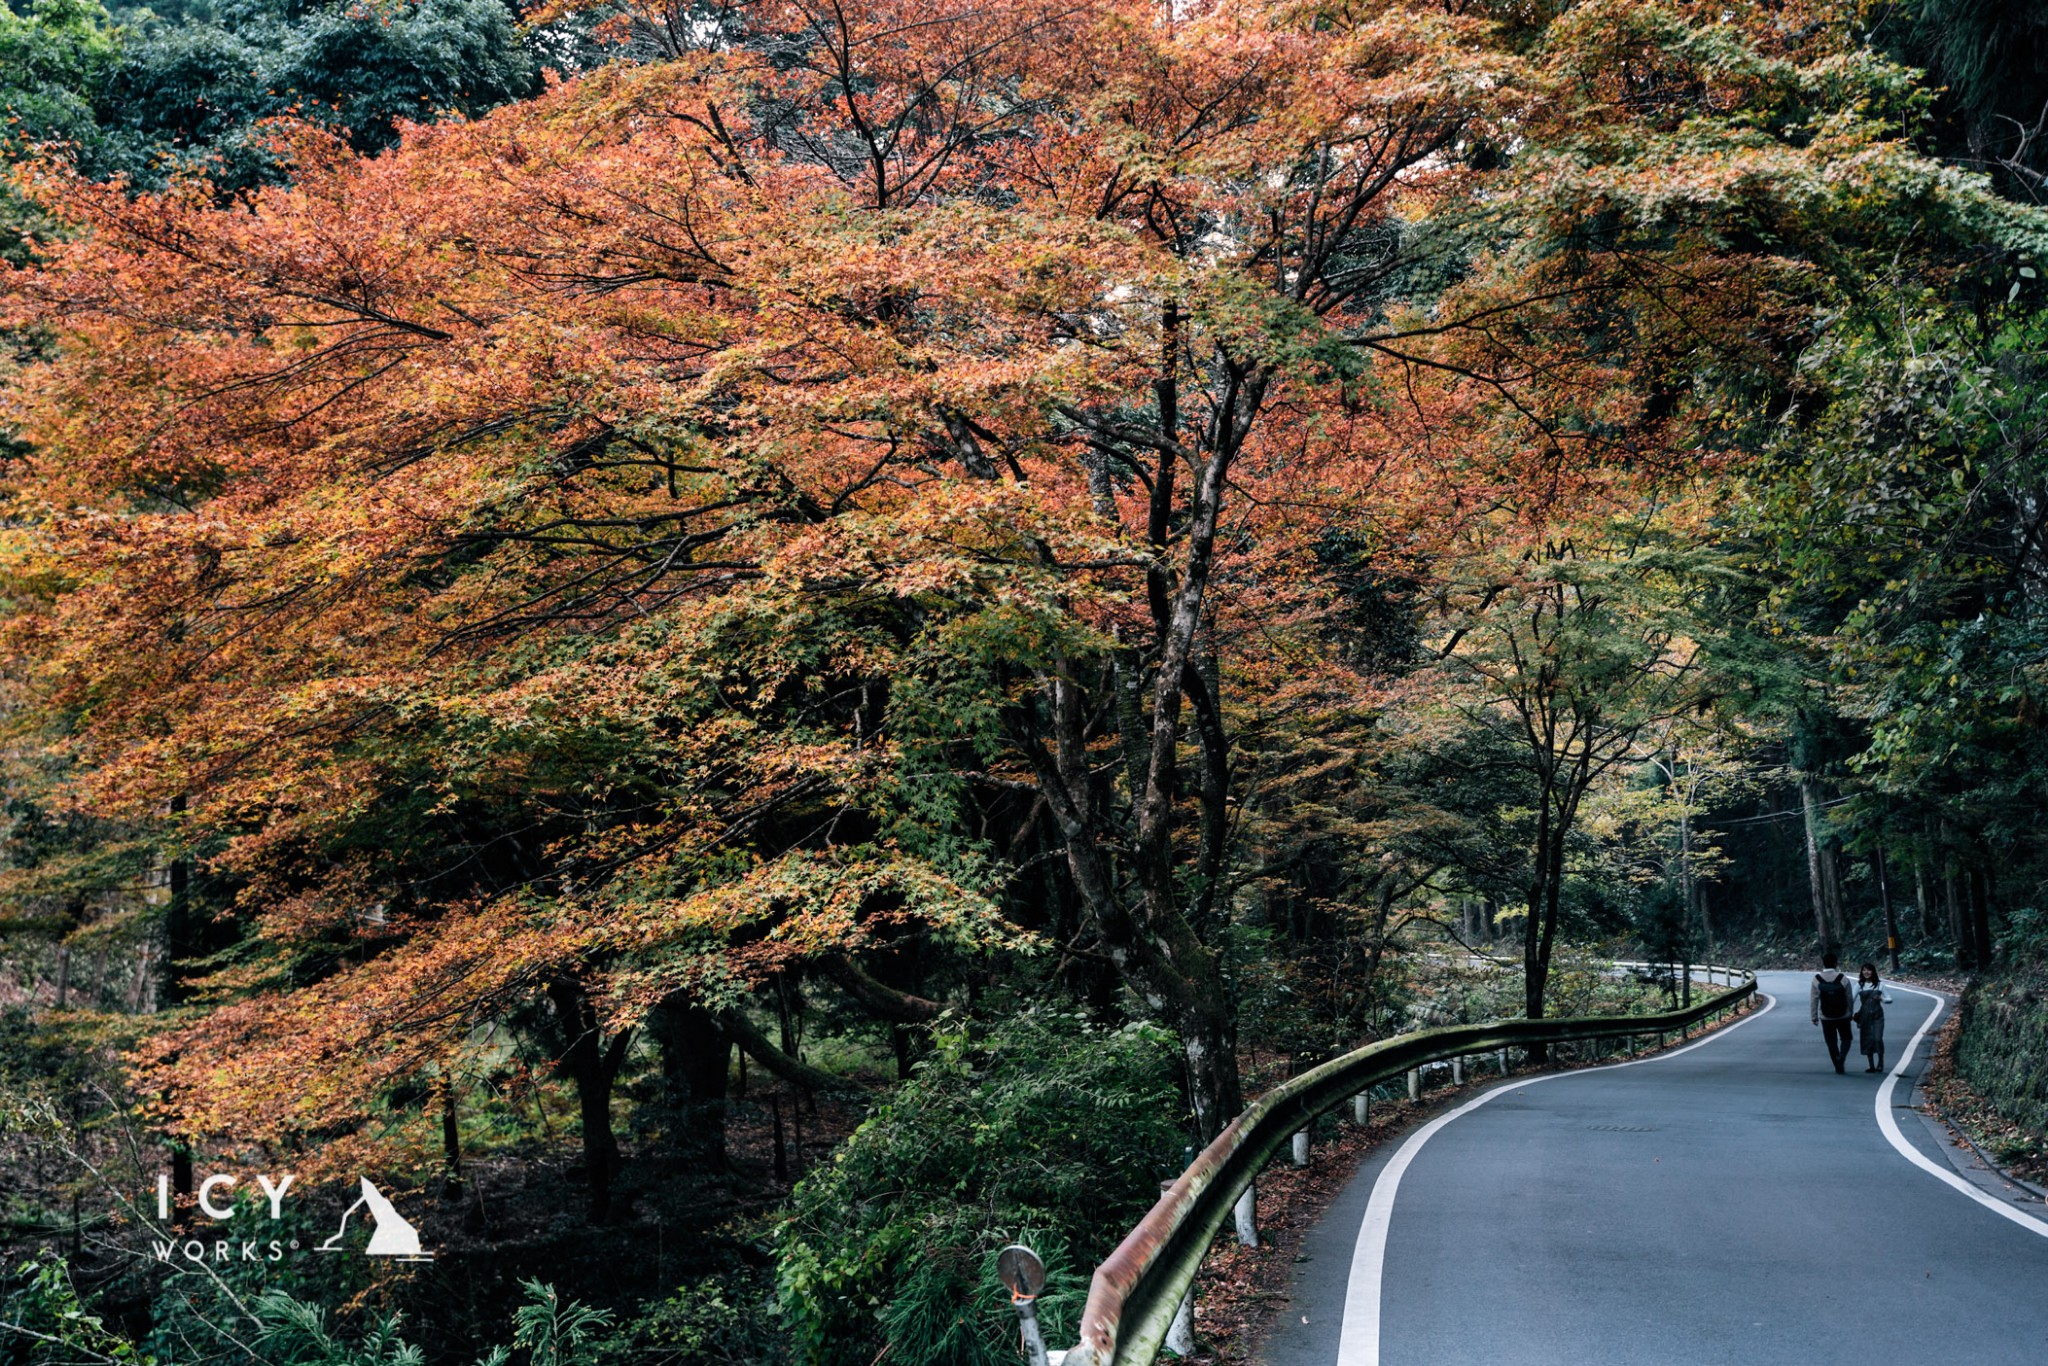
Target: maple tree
713	520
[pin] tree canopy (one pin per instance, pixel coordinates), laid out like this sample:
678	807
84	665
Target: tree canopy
590	524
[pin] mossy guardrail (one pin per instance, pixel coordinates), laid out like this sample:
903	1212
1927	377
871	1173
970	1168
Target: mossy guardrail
1135	1294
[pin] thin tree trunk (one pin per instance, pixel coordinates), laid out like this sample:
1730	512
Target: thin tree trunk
593	1065
1695	895
181	1184
1539	935
177	943
1831	885
1809	802
138	989
1921	899
1980	917
1382	908
1891	920
451	1141
1534	967
787	1009
1958	920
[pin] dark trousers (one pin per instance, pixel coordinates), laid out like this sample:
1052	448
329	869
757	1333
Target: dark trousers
1841	1037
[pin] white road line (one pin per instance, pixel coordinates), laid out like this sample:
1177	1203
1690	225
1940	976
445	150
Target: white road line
1359	1343
1890	1128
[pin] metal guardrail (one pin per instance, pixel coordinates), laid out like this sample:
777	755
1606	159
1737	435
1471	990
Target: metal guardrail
1136	1292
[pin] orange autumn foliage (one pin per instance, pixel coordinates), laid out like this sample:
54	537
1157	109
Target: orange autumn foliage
601	541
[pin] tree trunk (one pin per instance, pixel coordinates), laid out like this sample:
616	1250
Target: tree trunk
1534	967
1980	918
1539	932
1816	876
181	1184
788	1015
1155	947
753	1043
1891	919
696	1070
451	1141
593	1065
177	943
1155	937
1208	1042
1921	899
1958	920
1695	895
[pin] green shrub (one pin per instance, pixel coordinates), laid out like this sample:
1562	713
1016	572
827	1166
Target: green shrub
44	1323
722	1321
1042	1130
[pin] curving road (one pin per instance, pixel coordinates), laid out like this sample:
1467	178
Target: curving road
1732	1201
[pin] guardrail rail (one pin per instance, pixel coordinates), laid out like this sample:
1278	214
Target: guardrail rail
1135	1294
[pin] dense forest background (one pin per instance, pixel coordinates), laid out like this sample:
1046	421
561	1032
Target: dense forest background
748	650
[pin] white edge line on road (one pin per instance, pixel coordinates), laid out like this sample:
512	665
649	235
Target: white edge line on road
1889	1127
1359	1342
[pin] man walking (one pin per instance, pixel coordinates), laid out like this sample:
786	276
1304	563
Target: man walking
1833	1002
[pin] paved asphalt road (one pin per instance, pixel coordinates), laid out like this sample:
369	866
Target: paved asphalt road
1732	1203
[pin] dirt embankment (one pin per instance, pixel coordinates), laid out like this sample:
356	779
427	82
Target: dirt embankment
1989	1075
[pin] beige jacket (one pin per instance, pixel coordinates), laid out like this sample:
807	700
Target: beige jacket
1813	993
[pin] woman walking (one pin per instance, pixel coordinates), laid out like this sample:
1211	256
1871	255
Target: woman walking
1870	1003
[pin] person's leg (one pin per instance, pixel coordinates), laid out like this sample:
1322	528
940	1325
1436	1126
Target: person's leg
1838	1042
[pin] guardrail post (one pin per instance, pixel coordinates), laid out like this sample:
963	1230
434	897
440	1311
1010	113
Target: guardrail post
1503	1062
1415	1083
1359	1103
1247	1212
1301	1147
1180	1337
1458	1071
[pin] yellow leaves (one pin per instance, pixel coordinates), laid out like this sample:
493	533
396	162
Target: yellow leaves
797	907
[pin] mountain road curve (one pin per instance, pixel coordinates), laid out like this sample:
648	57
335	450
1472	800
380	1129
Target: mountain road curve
1733	1200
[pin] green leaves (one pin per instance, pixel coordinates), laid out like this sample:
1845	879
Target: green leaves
1042	1129
554	1333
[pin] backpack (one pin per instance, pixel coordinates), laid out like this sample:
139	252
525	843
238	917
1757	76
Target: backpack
1834	997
